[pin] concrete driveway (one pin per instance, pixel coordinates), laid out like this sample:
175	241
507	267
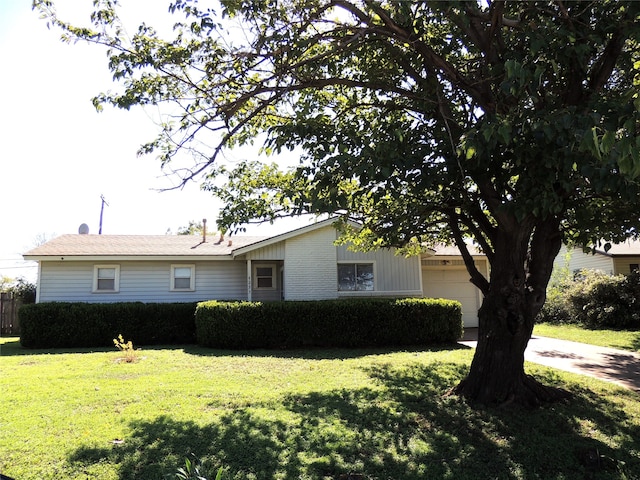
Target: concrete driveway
617	366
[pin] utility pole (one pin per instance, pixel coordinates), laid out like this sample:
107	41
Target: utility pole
104	202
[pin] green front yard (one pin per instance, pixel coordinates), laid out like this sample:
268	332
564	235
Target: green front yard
316	414
622	339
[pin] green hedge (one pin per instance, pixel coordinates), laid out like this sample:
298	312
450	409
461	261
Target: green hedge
72	325
330	323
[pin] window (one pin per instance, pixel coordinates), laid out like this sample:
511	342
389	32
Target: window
264	277
106	278
634	267
183	277
354	277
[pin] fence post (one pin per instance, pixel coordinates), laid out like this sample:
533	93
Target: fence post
9	321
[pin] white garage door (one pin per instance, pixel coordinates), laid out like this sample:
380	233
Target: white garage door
453	284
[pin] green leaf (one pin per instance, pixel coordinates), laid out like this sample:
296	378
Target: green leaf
471	151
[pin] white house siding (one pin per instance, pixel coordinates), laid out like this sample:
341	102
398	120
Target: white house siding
575	259
141	281
394	275
310	266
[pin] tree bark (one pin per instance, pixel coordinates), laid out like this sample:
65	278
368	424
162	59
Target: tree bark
506	320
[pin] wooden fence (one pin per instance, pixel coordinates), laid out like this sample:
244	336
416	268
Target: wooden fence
9	322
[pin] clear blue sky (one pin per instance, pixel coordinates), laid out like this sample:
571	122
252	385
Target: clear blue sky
59	155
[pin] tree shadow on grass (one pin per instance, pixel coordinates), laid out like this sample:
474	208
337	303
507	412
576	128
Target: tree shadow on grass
14	348
319	353
401	427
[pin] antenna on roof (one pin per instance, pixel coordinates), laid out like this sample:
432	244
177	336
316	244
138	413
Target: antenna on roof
104	202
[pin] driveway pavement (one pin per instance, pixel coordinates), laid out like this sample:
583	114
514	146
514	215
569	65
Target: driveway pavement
617	366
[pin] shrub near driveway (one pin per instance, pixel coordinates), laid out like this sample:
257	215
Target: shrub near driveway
312	415
595	300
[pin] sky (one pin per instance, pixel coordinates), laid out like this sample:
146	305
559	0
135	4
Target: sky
59	156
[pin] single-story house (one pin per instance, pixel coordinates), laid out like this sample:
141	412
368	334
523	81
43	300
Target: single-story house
303	264
620	259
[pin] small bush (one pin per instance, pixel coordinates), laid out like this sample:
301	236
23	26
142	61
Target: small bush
74	325
556	309
130	353
194	470
330	323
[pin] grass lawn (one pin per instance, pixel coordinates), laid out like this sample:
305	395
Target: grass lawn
625	340
312	414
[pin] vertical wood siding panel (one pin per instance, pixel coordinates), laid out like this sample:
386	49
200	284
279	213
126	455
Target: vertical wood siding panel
271	252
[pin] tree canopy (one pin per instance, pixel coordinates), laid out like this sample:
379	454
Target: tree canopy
511	123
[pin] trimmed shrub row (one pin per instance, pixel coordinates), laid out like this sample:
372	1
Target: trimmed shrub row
72	325
595	300
328	323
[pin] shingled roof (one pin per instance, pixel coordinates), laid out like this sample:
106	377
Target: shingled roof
139	246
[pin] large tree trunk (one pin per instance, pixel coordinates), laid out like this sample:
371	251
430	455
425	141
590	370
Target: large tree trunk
520	271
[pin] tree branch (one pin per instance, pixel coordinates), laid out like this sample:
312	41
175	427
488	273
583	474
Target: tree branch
478	279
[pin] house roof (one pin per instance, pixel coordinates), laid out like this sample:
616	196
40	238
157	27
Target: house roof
157	246
629	247
148	247
137	246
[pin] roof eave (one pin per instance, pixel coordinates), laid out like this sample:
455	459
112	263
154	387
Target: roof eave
284	236
124	258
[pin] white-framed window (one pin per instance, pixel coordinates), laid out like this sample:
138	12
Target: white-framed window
356	277
183	278
106	278
264	276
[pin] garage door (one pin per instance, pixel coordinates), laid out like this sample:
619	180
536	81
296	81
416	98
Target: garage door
453	284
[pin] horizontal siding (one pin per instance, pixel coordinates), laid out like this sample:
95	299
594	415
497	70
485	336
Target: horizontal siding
141	282
393	273
575	259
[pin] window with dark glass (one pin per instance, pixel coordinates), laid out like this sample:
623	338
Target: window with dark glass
264	276
353	277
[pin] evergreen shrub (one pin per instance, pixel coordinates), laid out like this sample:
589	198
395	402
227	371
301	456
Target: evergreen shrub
78	325
328	323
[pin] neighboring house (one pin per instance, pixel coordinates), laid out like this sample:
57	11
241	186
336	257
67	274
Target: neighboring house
621	258
303	264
